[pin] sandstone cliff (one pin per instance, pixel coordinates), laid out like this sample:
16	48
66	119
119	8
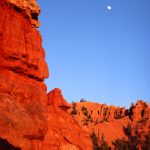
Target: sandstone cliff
30	119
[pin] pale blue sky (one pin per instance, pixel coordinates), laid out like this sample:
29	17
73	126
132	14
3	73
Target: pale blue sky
97	54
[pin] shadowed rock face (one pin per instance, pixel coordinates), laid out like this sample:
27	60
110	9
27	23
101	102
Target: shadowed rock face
4	145
30	119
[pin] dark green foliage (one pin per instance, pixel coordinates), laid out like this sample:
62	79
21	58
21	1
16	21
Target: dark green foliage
99	144
74	110
136	130
121	144
94	140
128	130
146	145
130	111
103	144
133	141
83	100
84	110
90	118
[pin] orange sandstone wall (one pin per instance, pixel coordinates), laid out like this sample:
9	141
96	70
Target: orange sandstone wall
30	119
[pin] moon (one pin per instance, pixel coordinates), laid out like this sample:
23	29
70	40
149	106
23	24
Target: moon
109	7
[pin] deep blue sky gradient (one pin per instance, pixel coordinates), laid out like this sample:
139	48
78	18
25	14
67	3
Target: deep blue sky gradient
97	54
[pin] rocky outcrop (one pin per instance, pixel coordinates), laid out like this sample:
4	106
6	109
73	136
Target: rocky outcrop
103	112
139	111
56	99
23	69
63	131
29	8
20	44
30	119
98	112
112	122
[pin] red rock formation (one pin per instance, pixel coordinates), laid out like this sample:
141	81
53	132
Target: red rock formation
20	44
100	112
28	8
22	71
63	131
56	99
112	121
139	111
30	120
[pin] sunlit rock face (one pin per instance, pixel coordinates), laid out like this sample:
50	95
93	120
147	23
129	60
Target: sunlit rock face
30	119
112	121
29	7
21	44
22	72
56	99
63	131
139	111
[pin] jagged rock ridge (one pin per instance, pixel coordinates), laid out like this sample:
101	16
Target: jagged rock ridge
112	122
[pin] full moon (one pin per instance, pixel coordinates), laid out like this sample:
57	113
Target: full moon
109	7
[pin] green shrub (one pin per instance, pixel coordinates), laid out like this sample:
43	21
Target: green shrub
74	110
84	110
99	144
128	130
146	145
103	144
83	100
94	140
121	144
